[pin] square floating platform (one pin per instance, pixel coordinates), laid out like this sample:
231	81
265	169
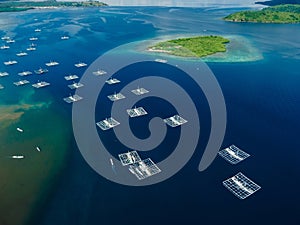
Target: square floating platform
21	82
112	81
140	91
233	154
108	123
175	121
116	97
41	84
129	158
136	112
25	73
73	98
4	74
143	169
71	77
99	73
81	64
241	186
75	85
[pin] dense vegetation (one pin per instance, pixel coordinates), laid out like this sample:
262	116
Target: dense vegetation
276	14
21	6
199	46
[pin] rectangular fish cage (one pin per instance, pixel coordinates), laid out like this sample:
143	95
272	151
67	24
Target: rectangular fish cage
41	84
72	98
233	154
116	97
21	82
75	85
99	73
143	169
129	158
241	186
136	112
112	81
71	77
175	121
140	91
108	123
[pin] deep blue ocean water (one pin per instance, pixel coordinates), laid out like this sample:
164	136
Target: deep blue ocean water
263	107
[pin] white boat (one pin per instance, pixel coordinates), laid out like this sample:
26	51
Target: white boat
37	30
161	60
99	72
40	84
72	98
38	149
10	41
18	157
21	54
10	62
20	130
71	77
33	39
3	74
25	73
80	64
21	82
52	63
4	47
41	71
64	37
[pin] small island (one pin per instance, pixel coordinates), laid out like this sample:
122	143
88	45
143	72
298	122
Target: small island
199	46
16	6
287	13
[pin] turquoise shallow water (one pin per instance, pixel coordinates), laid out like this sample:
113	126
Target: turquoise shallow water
262	100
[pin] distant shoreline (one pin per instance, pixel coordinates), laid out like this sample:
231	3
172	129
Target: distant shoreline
24	6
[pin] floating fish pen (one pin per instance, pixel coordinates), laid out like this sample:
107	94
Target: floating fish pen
143	169
25	73
108	123
136	112
21	82
112	81
31	48
20	54
1	86
3	47
140	91
4	74
233	154
81	64
10	63
241	186
73	98
41	84
64	37
71	77
75	85
175	121
10	41
33	39
41	71
129	158
37	30
116	97
52	63
99	73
